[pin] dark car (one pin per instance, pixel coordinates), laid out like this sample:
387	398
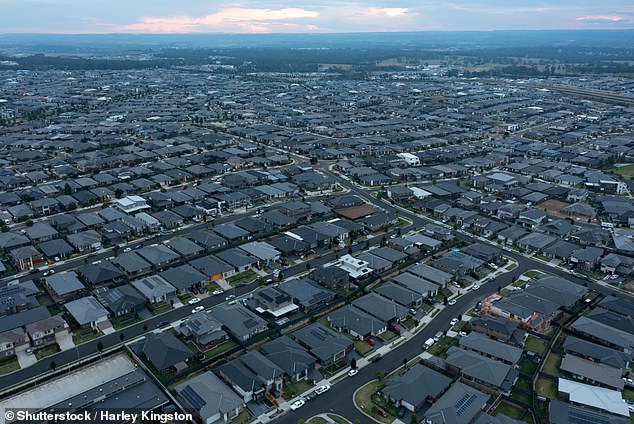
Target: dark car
400	412
377	358
310	396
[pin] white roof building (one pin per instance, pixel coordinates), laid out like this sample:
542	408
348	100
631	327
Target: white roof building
596	397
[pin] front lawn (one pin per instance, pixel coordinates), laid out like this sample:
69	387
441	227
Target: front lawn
82	335
441	347
125	320
363	398
409	323
387	336
535	345
245	417
9	364
362	347
293	390
338	419
317	420
242	278
46	351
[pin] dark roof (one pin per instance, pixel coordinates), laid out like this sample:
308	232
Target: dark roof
163	350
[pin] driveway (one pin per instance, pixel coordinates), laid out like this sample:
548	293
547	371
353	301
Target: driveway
65	341
25	360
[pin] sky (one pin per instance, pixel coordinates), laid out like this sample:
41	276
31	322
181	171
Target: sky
303	16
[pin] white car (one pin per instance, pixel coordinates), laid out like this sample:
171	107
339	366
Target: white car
353	372
475	287
217	291
451	302
127	249
322	389
462	334
194	300
454	321
297	404
198	309
231	296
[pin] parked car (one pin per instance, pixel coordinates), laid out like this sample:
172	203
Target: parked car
369	340
198	309
217	291
322	389
454	321
29	351
297	404
438	336
310	396
353	372
475	287
451	302
381	412
231	296
194	300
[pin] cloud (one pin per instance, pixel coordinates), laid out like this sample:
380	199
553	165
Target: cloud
605	19
234	19
390	12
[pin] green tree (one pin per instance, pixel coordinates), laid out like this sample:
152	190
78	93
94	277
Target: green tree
308	266
67	189
380	375
413	419
53	365
353	363
28	222
100	346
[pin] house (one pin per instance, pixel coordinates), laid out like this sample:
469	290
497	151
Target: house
155	289
45	331
418	386
131	204
292	358
211	399
306	294
458	405
566	413
203	330
593	398
488	374
480	343
485	252
432	274
85	241
131	263
238	259
213	267
603	334
356	322
164	351
401	295
500	329
56	248
252	376
596	352
261	250
331	276
185	278
100	273
64	285
184	247
241	323
587	258
26	257
323	343
158	255
121	300
590	372
87	312
273	301
40	231
18	296
232	232
13	340
356	268
458	264
381	308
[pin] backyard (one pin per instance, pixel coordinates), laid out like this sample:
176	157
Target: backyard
553	362
535	345
546	387
509	410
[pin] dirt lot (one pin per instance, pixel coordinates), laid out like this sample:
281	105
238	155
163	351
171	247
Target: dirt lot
553	207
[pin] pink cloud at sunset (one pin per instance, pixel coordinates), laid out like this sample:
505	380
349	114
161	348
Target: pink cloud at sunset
230	19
